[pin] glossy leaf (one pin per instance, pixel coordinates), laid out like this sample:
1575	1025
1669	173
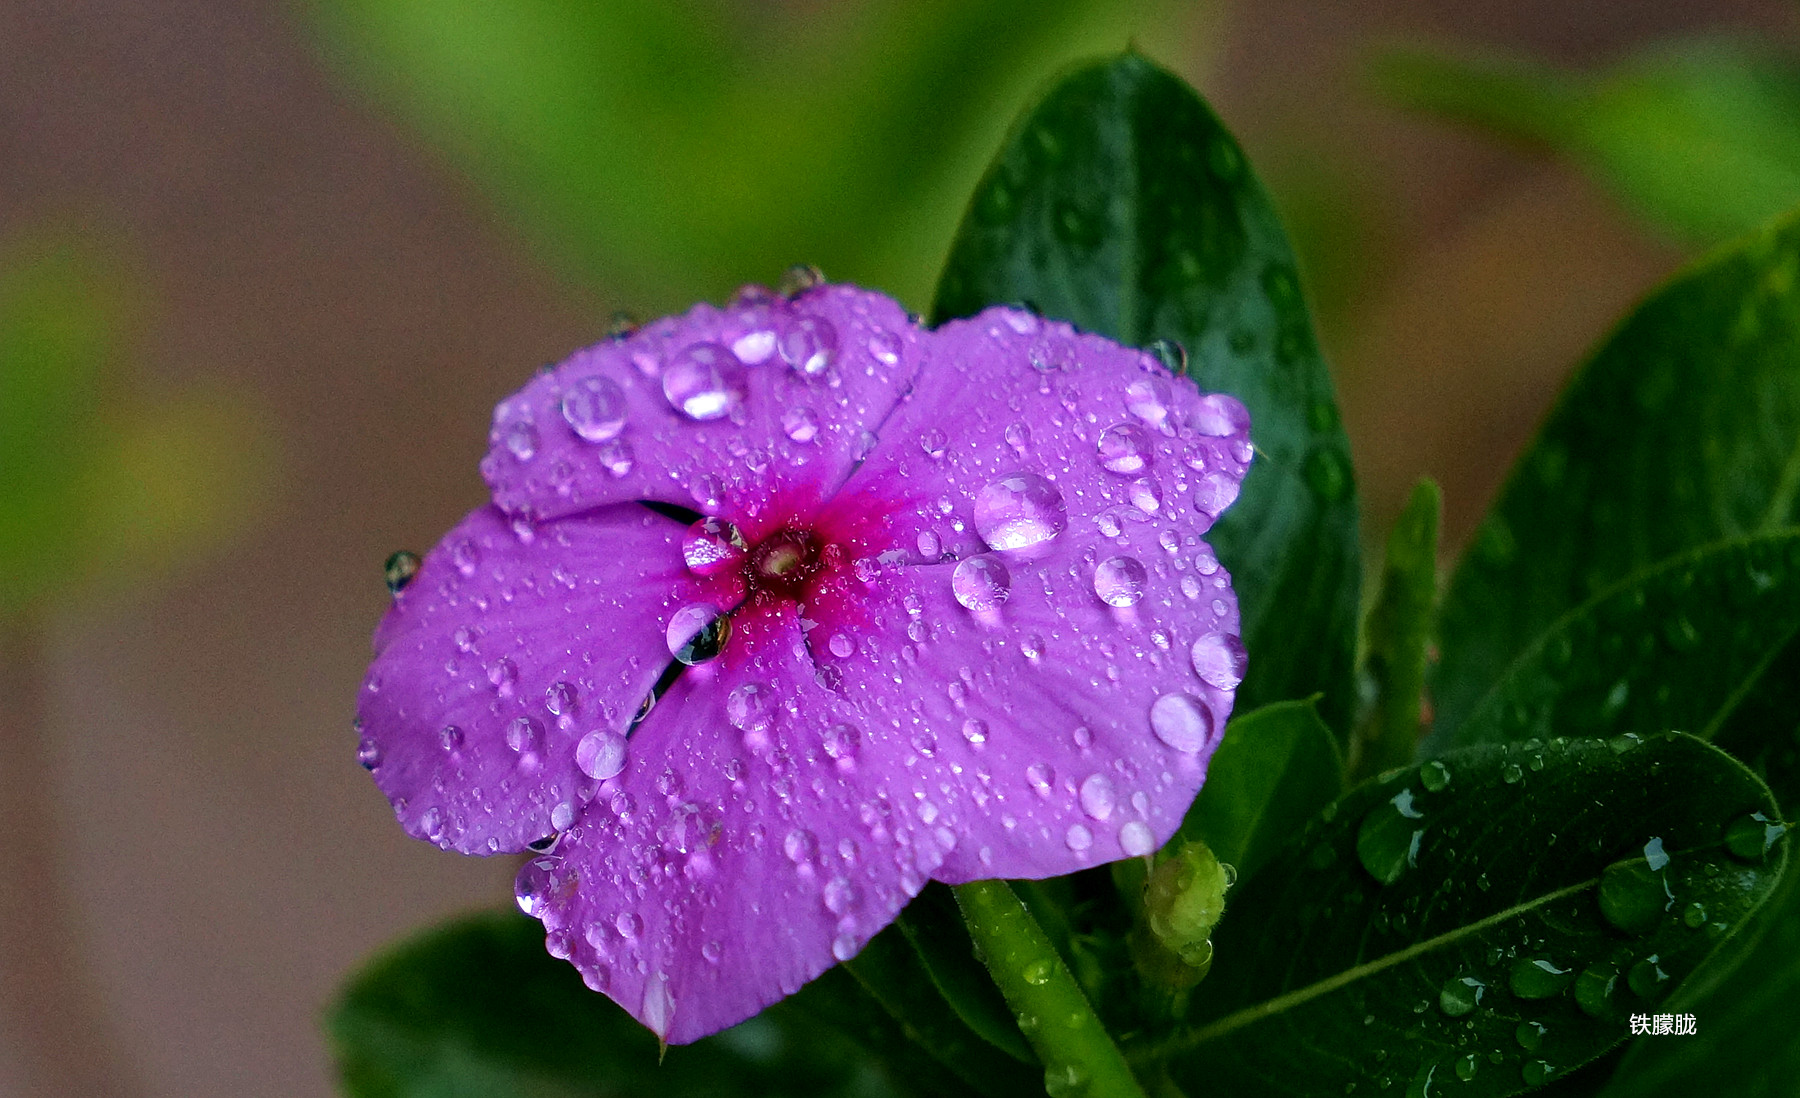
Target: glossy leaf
1398	632
1743	1043
1683	430
677	148
1701	138
479	1008
1680	645
1275	769
1122	205
1533	899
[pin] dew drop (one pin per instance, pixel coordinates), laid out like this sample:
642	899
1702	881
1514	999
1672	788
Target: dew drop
1126	448
368	753
1149	399
1219	415
615	454
601	754
705	382
1182	721
1120	581
711	546
399	569
1434	776
1096	796
975	731
750	707
450	738
1019	511
801	845
1461	995
841	741
594	408
981	583
1537	978
1136	838
525	735
520	438
697	633
809	345
1220	660
800	423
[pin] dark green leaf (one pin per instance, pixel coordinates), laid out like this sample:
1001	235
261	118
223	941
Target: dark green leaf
1680	645
1509	873
1743	1044
478	1008
1701	138
1398	632
1683	430
1276	767
1122	205
893	975
934	928
676	148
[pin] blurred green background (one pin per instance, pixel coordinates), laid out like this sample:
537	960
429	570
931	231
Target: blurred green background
265	269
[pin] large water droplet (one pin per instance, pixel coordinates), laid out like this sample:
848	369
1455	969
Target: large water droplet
1387	842
1631	896
712	545
1182	721
1594	989
809	345
399	569
800	423
1126	448
750	707
981	583
1220	660
601	754
801	846
594	408
1136	838
1537	978
1218	414
1096	795
1019	511
1120	581
705	381
525	735
698	633
535	885
520	437
1148	399
1750	837
841	741
1647	978
1461	995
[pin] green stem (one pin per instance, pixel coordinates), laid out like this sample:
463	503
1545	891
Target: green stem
1078	1054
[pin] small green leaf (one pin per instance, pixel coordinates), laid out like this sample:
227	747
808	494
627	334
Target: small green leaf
934	928
1423	928
893	975
478	1008
1398	632
1276	767
1123	206
1701	138
1679	645
1683	430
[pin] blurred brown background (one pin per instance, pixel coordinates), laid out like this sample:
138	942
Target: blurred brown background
195	860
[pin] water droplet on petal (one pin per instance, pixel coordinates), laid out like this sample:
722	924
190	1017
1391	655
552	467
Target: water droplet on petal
525	735
801	845
1220	660
885	346
1219	414
399	569
1126	448
1182	721
1214	493
705	381
975	731
841	741
520	438
1148	399
750	707
801	424
981	583
809	345
1078	838
1136	838
659	1006
594	408
1120	581
368	753
601	754
616	456
1019	511
697	633
1096	796
712	545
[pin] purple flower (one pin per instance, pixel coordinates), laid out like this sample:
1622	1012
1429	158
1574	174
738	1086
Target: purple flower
947	614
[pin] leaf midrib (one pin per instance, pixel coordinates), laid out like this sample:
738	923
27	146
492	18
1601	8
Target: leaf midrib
1270	1007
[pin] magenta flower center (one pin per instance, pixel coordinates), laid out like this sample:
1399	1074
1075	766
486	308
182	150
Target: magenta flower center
783	566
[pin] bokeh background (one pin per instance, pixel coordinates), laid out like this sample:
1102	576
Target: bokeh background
265	269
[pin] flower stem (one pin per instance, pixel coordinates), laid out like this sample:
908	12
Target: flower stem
1078	1054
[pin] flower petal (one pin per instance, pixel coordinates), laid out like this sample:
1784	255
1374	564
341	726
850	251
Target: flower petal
707	410
501	656
1051	619
745	848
